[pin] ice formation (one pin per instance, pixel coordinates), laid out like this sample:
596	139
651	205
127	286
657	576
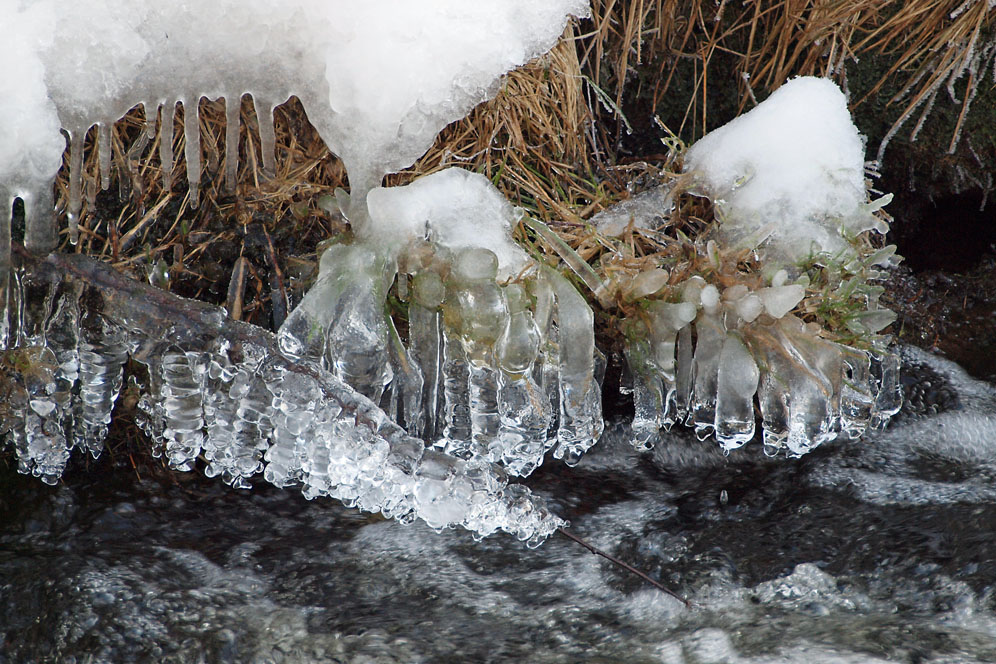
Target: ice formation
787	184
496	365
483	375
219	390
378	81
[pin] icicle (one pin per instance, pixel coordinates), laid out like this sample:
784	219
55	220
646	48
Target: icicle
425	343
233	108
523	409
192	147
37	298
76	136
475	311
581	422
889	397
856	399
267	135
166	112
6	216
102	356
41	232
456	396
736	384
149	110
685	373
710	335
182	386
406	388
104	153
356	340
648	394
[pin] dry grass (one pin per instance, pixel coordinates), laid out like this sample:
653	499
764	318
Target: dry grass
932	45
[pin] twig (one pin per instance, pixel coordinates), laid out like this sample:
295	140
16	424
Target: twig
625	566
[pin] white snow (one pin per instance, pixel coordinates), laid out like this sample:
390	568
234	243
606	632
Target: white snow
454	208
30	144
796	162
378	79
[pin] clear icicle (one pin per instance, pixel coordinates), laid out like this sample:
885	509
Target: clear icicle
5	271
856	399
456	397
425	336
736	384
182	386
233	114
192	147
648	394
104	153
889	398
102	355
76	136
475	311
580	424
267	135
357	337
167	111
524	413
710	335
41	232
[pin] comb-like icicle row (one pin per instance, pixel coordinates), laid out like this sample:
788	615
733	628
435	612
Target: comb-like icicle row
267	135
192	147
166	112
233	114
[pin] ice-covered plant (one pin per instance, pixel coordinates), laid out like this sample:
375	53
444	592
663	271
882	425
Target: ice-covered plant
770	304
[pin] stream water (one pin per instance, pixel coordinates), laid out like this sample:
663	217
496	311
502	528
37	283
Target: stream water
865	551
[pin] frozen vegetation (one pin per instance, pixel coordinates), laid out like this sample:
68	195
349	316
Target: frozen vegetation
787	184
497	365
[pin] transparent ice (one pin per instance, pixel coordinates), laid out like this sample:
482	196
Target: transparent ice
209	389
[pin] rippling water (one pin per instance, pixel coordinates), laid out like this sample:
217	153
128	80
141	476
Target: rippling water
879	550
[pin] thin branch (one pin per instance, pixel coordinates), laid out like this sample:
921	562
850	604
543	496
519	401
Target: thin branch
626	566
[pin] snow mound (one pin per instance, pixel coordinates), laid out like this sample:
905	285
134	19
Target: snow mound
795	162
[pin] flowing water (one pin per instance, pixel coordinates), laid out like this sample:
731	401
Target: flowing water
862	551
